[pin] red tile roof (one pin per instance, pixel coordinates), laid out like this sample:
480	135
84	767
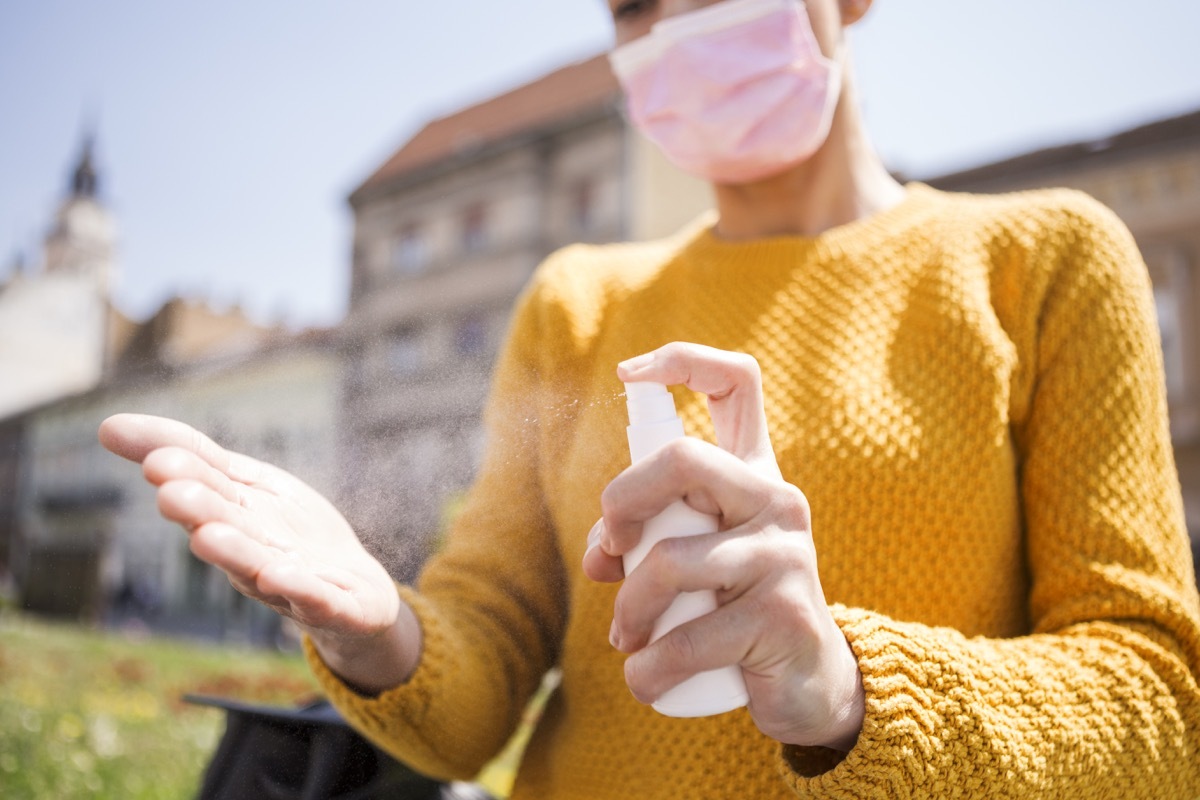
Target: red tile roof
559	95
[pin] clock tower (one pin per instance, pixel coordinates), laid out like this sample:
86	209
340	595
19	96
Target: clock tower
82	240
54	317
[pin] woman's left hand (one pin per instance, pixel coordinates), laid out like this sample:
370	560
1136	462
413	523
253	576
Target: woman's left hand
772	619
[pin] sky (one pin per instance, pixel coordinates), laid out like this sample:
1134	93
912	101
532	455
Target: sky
229	134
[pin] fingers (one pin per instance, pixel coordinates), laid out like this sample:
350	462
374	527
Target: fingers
277	579
733	384
597	564
779	624
127	436
230	550
672	567
192	504
135	436
730	564
175	464
316	598
714	640
708	479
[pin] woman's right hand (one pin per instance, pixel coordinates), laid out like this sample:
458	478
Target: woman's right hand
280	542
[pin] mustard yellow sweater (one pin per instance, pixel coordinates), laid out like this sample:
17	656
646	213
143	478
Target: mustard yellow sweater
969	391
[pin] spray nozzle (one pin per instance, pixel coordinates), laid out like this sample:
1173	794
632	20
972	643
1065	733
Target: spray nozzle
649	403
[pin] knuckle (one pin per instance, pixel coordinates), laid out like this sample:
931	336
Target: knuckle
670	356
610	501
759	609
661	567
794	508
679	647
747	364
666	556
615	510
786	550
675	350
678	458
690	448
794	609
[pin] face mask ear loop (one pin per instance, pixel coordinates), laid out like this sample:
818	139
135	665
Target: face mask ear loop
837	62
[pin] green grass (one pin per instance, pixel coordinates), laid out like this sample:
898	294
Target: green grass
89	714
97	714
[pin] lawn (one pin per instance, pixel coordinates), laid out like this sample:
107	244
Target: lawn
98	714
90	714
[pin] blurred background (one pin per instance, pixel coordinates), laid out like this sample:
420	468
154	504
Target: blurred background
301	226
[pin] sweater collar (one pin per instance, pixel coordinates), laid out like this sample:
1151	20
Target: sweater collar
838	243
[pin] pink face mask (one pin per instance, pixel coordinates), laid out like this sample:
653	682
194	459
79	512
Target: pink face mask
734	92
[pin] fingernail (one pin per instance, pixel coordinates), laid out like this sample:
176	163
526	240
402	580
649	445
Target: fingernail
593	537
594	534
613	639
637	362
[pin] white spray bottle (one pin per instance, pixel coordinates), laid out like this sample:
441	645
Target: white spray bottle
652	423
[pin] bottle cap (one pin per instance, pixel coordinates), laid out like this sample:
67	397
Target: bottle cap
648	403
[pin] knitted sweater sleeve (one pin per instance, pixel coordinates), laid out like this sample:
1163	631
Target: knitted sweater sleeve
1101	699
491	604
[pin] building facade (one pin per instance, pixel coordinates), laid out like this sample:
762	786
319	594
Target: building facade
80	535
447	232
1150	176
54	316
92	543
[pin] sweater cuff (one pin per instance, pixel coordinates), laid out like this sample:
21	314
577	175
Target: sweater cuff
863	772
404	706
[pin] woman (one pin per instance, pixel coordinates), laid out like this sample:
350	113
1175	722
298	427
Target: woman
955	566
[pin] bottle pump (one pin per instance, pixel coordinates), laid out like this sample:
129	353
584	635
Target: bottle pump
652	423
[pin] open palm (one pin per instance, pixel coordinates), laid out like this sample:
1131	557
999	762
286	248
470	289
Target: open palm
278	540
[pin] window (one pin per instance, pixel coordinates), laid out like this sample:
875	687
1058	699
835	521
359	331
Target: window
410	252
583	206
474	228
470	337
274	445
1167	305
1171	276
405	354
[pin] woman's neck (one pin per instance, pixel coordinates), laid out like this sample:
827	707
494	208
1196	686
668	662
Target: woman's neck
843	182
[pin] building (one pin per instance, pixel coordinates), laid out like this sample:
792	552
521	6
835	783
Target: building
10	464
446	233
54	316
1150	176
55	322
92	543
80	535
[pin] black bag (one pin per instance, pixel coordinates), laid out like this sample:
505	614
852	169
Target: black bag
308	753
